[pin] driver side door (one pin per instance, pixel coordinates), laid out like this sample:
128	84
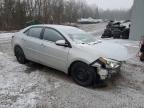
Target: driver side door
53	55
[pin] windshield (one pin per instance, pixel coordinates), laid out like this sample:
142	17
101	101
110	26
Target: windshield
79	36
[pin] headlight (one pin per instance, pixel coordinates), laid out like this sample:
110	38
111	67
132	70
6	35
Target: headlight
110	64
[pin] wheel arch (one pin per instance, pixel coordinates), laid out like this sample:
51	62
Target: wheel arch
82	61
17	45
70	66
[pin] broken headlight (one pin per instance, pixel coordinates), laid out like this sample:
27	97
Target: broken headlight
112	64
108	63
106	67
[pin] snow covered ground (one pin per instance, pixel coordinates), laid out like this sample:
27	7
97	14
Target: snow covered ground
5	37
36	86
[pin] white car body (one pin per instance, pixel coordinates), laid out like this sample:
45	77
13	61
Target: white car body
60	57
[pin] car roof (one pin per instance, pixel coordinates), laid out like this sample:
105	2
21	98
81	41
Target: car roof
58	27
63	29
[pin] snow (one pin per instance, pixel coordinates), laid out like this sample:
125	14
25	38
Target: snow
126	24
90	20
5	37
18	88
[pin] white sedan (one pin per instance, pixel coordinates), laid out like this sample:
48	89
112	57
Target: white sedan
70	50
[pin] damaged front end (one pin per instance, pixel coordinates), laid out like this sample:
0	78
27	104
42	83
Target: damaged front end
106	67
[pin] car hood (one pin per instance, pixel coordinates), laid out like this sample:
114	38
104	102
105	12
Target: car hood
107	50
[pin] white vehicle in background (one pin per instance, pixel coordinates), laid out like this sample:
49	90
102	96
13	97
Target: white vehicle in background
70	50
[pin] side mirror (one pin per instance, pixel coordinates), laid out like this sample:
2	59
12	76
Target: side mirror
61	43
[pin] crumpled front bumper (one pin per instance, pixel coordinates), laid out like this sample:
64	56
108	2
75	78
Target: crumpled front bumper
107	67
107	73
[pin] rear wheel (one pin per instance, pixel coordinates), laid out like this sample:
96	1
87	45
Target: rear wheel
83	74
20	55
142	57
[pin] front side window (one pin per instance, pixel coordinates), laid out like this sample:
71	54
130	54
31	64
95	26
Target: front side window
52	35
34	32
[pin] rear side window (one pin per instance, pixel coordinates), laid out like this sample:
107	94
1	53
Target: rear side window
34	32
52	35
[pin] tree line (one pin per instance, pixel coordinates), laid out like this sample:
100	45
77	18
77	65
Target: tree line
15	13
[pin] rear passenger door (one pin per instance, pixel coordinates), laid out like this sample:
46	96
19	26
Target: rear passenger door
32	43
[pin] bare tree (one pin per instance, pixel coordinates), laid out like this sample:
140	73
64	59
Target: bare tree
15	13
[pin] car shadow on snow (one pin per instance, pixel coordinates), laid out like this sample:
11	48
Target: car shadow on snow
32	67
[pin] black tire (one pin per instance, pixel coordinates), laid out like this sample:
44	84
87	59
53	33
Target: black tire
107	34
142	57
20	55
83	74
116	34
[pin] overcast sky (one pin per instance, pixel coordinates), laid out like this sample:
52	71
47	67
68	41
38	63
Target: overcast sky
111	4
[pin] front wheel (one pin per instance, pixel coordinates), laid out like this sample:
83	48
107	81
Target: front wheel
20	55
83	74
